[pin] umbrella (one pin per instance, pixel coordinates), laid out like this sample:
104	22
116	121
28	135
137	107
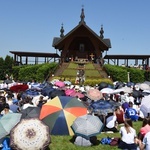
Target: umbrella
144	86
60	112
101	107
19	87
107	90
70	92
94	94
31	92
87	126
30	134
78	94
56	92
54	81
127	89
60	84
145	105
30	112
67	82
8	81
102	85
7	122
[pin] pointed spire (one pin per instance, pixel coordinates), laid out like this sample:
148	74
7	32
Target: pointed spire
82	16
62	31
101	32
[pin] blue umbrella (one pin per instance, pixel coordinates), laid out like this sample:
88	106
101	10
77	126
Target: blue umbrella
101	107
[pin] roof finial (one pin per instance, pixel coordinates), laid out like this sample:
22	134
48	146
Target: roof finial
62	31
101	32
82	16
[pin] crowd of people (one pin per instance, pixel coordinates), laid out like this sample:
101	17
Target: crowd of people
124	113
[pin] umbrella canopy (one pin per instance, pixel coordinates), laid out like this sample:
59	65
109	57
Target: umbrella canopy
144	86
102	85
70	92
8	81
60	84
30	112
101	107
87	126
107	90
67	82
31	92
30	134
7	122
94	94
19	87
127	89
78	94
145	105
60	112
56	92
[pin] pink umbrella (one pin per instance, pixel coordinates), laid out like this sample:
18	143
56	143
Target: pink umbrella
60	84
78	94
94	94
70	92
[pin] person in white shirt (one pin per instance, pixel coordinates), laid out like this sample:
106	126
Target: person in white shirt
129	139
28	103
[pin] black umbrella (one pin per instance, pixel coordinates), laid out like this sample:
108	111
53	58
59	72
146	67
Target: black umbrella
30	112
57	92
102	85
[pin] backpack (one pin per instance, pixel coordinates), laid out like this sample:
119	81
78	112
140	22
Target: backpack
106	140
115	141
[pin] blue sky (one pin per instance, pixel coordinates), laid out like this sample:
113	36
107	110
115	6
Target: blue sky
31	25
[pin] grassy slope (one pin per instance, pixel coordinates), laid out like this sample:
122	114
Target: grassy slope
64	143
90	71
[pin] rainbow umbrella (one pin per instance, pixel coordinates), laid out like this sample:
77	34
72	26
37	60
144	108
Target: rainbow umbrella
60	112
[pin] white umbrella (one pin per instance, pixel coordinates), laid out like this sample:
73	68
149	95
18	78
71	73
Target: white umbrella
107	90
145	105
144	86
30	134
127	89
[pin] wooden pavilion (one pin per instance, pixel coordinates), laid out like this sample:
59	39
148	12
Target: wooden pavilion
81	42
19	56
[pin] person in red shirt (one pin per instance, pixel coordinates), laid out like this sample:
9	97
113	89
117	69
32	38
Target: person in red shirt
120	115
144	129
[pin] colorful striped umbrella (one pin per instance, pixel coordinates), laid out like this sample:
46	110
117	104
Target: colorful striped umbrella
60	112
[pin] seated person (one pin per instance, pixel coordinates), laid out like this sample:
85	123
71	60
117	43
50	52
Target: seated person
111	123
131	113
145	145
120	115
81	141
144	129
6	109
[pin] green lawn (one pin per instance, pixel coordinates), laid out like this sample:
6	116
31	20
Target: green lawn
64	143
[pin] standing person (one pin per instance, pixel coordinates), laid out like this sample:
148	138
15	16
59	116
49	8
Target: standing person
129	139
